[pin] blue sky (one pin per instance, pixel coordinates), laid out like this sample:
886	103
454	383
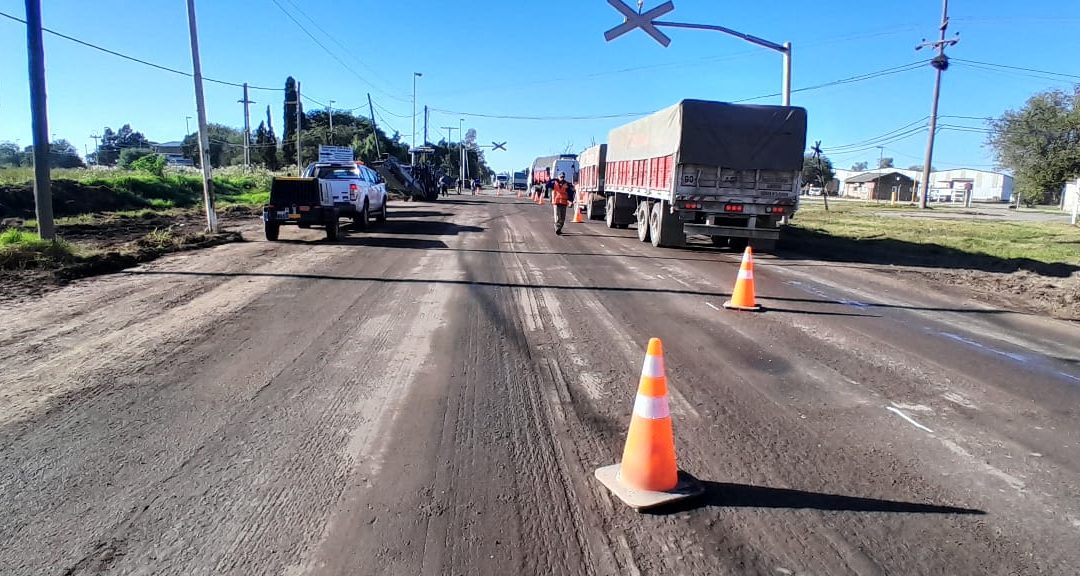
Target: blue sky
548	58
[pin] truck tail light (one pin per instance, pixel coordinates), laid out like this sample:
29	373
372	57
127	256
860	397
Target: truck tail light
733	208
692	205
353	189
776	210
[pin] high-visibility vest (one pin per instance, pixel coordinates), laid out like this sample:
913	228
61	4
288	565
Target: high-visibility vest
561	195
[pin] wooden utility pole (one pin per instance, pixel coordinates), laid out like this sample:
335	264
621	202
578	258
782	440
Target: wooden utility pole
299	168
200	109
39	114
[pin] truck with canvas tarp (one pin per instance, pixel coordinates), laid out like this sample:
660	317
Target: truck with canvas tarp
726	171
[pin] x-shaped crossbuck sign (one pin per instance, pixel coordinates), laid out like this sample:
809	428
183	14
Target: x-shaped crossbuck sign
643	21
498	146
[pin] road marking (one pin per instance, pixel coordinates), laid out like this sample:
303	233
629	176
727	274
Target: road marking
710	305
1010	355
908	418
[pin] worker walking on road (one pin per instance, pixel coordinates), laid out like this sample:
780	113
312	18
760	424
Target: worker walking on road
562	195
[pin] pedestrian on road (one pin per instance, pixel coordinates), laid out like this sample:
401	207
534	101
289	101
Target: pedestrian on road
562	195
549	186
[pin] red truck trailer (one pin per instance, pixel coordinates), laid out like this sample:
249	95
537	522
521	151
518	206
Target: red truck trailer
727	171
590	183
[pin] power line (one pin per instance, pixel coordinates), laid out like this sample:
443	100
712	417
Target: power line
330	52
874	140
892	140
139	60
850	80
387	111
991	64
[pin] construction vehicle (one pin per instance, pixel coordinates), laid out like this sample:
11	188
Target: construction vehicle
726	171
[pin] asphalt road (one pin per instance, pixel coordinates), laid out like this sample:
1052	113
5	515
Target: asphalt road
432	397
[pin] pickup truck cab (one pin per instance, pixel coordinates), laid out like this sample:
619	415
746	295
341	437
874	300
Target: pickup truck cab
357	191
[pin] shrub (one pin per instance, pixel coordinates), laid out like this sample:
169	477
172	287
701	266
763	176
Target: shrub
129	155
151	164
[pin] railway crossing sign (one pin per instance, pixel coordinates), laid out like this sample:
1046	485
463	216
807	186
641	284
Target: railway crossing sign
498	146
640	20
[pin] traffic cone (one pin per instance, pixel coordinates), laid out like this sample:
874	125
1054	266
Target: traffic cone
742	298
577	215
541	199
647	476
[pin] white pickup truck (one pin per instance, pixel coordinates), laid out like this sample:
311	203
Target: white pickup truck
358	191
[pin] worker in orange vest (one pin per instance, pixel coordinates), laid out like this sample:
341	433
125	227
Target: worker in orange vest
562	195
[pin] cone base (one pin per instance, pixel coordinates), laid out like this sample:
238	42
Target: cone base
730	306
645	499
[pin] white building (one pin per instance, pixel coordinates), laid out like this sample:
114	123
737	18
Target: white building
983	185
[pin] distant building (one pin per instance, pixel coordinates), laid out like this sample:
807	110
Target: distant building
839	183
983	185
167	148
880	185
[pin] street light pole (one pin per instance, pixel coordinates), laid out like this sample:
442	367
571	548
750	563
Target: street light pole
330	112
413	141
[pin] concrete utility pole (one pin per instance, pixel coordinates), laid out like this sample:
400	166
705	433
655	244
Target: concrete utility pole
200	111
97	147
247	128
374	129
425	124
461	149
449	140
412	157
940	63
330	112
299	167
39	115
1076	204
187	125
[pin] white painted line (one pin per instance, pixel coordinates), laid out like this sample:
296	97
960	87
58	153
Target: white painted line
908	418
660	276
710	305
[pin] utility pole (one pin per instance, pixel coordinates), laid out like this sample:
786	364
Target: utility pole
374	129
39	114
412	157
97	147
449	141
425	124
1076	204
330	112
187	125
461	149
940	64
200	111
247	128
299	168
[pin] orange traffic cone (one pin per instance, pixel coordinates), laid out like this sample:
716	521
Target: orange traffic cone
541	199
742	298
647	475
577	215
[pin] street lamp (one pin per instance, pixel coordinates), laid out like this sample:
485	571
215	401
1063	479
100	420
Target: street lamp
414	77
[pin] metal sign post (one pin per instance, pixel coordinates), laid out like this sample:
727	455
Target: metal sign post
648	23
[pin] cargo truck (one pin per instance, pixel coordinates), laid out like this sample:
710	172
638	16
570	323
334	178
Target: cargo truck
521	180
590	181
726	171
547	168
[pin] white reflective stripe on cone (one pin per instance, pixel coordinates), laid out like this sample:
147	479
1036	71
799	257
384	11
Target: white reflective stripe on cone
653	367
746	274
651	407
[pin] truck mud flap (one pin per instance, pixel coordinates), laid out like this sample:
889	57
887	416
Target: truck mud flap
732	232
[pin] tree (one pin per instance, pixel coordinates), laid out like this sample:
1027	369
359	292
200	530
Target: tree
1040	143
226	146
113	142
817	170
860	166
10	155
288	139
63	155
919	167
885	162
267	143
151	164
128	156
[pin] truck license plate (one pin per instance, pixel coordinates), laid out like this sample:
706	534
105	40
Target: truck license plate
294	216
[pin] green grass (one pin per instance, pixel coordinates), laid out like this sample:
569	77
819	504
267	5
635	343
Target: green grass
21	250
1045	242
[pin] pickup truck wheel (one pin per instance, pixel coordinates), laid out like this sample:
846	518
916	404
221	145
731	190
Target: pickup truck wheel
643	221
382	213
363	219
333	230
272	231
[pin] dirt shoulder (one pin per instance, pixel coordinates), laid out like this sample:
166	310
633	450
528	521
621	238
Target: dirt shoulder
107	243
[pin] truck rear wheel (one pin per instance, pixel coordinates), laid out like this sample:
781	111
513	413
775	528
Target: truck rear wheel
272	230
643	221
665	228
609	212
594	209
333	230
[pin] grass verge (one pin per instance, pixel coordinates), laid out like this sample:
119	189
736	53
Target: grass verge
21	250
858	231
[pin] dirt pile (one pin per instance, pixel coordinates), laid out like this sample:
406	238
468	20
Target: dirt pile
69	198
